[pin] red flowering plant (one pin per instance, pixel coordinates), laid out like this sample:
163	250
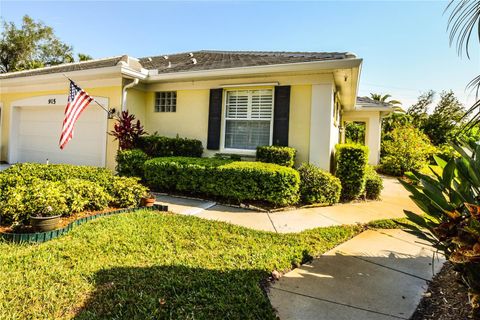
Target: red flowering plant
127	131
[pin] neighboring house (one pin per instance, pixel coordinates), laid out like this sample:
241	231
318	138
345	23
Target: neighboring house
231	101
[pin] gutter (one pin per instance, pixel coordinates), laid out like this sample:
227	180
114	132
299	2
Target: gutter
153	75
124	93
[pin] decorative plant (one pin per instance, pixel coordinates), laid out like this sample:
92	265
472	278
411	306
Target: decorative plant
450	199
127	131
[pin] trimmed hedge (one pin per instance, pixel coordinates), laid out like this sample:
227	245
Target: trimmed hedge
160	146
318	186
373	184
284	156
130	162
231	180
31	189
351	163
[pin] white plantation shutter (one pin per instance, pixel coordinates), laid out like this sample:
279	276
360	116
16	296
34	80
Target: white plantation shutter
248	118
237	104
262	104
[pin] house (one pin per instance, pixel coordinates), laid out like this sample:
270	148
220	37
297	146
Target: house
231	101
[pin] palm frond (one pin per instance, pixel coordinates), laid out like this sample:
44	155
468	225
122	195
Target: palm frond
464	19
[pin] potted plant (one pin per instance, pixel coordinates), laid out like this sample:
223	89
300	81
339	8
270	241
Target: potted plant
147	200
45	219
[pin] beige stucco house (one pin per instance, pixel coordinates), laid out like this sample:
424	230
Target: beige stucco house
231	101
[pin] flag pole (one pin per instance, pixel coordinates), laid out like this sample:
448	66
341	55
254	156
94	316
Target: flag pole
105	109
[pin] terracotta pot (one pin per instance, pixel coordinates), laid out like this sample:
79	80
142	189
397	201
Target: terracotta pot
147	202
42	224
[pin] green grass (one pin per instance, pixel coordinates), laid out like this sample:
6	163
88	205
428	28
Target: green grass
152	265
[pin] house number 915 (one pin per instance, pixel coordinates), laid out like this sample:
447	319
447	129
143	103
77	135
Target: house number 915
52	101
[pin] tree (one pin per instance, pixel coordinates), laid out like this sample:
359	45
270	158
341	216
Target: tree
443	122
419	111
464	21
84	57
442	125
33	45
383	98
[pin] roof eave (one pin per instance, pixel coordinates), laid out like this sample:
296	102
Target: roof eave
254	70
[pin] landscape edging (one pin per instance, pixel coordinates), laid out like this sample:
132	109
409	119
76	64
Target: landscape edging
39	237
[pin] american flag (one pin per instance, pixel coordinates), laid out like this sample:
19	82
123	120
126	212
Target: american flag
78	100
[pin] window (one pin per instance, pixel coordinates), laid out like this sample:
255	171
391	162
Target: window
248	118
166	101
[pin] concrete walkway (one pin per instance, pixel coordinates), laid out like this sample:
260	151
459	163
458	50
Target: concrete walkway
394	200
377	275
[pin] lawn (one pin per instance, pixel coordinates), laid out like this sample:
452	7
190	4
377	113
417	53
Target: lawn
152	265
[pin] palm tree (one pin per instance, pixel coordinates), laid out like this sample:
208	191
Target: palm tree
463	23
397	105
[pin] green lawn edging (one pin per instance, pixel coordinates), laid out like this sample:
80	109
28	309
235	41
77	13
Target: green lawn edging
39	237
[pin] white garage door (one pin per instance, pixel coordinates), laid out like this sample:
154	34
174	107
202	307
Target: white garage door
38	132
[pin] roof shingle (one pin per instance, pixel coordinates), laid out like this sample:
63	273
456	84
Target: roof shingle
209	60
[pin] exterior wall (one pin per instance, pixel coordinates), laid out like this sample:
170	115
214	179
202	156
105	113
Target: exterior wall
299	126
323	133
112	93
191	116
373	125
311	110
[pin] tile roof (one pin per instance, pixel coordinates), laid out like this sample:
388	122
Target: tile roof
66	67
367	100
208	60
193	61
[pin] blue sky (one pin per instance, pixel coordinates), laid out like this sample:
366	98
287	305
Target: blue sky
404	44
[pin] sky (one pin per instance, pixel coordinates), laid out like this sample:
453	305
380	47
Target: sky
403	44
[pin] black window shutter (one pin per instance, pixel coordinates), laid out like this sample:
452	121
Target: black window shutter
214	119
281	113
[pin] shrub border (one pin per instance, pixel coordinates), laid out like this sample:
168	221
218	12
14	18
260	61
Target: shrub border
40	237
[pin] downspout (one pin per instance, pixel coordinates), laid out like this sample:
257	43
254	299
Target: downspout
124	93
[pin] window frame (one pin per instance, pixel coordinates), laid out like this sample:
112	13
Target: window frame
223	149
159	110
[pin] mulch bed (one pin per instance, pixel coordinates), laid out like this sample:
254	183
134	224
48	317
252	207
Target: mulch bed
63	221
446	298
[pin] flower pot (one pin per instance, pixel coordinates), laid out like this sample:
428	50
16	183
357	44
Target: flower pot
42	224
147	202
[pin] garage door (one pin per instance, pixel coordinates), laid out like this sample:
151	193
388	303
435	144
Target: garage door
38	131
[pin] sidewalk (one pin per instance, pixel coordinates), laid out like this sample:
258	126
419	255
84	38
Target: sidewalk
377	275
394	200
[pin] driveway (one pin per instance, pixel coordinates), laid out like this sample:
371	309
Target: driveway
393	201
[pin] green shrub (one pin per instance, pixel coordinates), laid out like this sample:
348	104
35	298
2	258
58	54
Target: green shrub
60	172
249	181
405	149
67	189
318	186
351	162
38	198
159	146
85	195
127	192
235	181
373	184
284	156
130	162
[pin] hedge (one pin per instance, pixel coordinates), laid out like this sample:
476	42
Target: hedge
160	146
318	186
130	162
30	189
230	180
284	156
351	161
373	184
